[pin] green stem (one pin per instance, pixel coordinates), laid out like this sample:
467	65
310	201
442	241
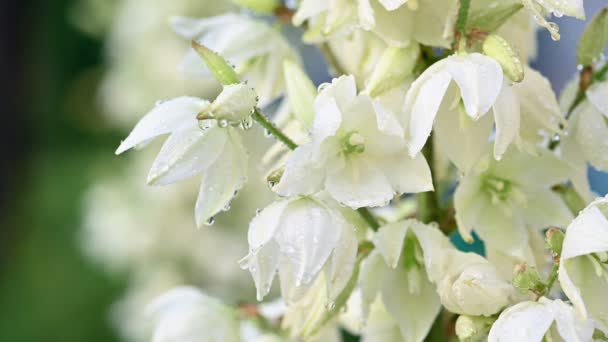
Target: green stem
463	15
552	278
428	209
269	126
369	218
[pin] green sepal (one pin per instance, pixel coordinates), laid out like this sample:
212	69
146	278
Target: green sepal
221	69
490	19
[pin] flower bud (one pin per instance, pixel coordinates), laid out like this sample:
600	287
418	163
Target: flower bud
499	49
526	278
555	240
394	67
473	328
234	104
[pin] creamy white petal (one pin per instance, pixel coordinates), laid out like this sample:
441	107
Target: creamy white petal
469	205
422	103
169	116
587	234
479	78
389	242
463	140
543	168
506	117
308	9
597	94
569	325
342	263
407	174
302	175
591	132
264	225
545	209
366	14
526	321
414	311
186	154
359	184
306	239
222	180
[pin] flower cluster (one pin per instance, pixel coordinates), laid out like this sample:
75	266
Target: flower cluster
434	126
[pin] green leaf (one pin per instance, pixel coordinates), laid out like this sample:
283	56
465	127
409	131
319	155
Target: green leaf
490	19
220	68
260	6
301	92
594	39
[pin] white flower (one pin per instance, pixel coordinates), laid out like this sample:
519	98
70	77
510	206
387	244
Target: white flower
583	269
255	48
531	321
184	314
482	87
558	8
215	151
397	273
511	196
426	21
357	152
300	238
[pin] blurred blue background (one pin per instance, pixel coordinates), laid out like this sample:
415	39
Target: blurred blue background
53	140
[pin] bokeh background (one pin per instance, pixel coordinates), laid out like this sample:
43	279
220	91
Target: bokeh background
83	242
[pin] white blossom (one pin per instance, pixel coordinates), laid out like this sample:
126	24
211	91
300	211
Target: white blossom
397	273
425	21
357	152
532	321
215	151
583	269
301	237
185	314
511	196
255	48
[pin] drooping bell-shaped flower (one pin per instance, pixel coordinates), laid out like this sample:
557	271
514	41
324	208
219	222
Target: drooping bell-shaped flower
583	269
535	321
356	152
185	314
396	272
508	197
301	237
482	88
255	48
211	146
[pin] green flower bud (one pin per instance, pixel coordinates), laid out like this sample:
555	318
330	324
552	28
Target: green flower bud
555	240
496	47
393	68
220	68
526	279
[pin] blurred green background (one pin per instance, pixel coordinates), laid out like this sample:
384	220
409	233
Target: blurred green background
52	137
53	142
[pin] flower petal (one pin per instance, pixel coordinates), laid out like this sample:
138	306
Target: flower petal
186	154
479	78
587	234
222	180
389	242
526	321
506	117
598	96
422	103
359	184
170	116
